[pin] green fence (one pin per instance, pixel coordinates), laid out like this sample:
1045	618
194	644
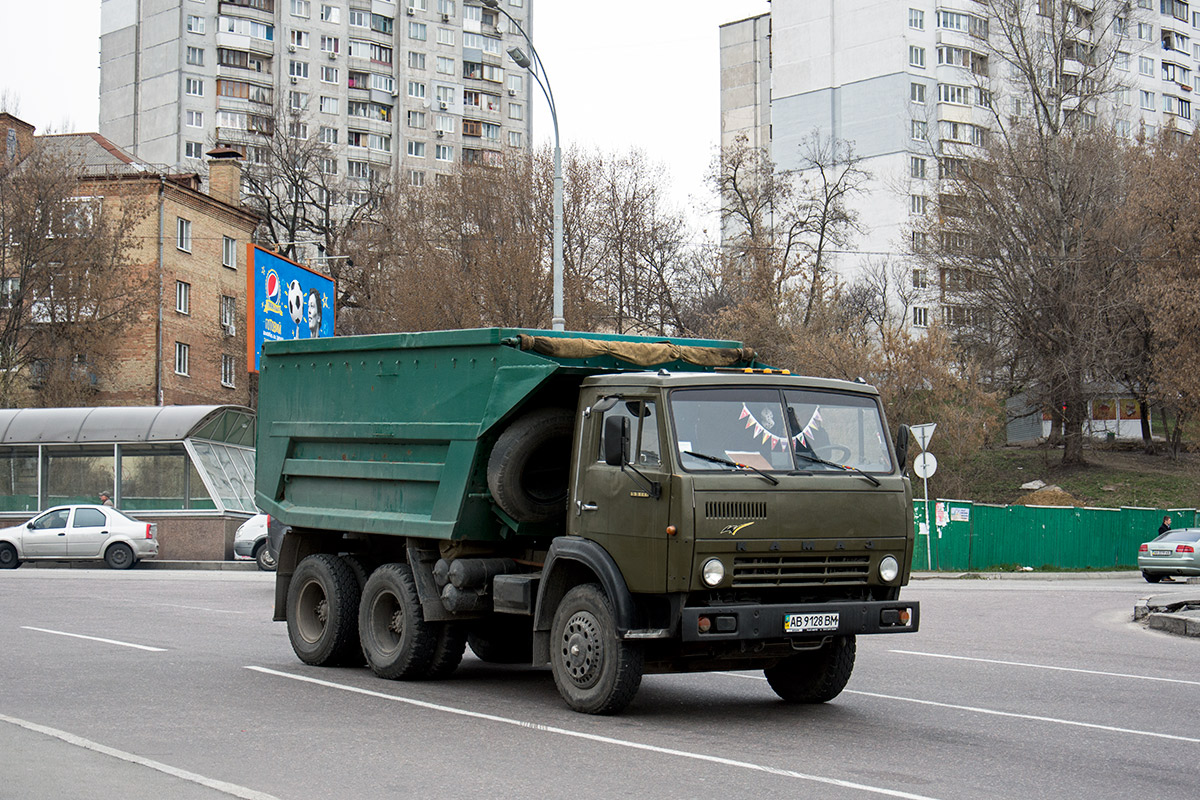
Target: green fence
977	536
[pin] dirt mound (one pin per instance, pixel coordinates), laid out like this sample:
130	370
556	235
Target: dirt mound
1047	496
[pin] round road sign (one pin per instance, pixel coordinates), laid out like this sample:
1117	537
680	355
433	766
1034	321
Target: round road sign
925	465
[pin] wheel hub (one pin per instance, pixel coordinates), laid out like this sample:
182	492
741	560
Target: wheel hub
396	625
322	611
582	651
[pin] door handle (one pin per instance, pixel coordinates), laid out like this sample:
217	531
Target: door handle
64	533
589	506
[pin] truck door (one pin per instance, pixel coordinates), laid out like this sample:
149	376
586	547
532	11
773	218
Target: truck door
47	535
616	506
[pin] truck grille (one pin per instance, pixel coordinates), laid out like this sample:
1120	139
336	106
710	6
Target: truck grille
717	509
762	571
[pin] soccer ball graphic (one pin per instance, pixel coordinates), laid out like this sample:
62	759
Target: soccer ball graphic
295	301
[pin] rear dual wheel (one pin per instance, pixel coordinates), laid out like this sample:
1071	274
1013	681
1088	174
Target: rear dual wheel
396	640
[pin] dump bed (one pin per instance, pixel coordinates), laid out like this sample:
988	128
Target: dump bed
391	433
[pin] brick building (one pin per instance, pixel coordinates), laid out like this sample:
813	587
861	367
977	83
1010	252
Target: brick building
188	344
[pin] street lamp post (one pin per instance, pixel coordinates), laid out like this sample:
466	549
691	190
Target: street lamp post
538	71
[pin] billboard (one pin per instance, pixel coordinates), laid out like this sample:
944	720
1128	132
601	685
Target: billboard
284	301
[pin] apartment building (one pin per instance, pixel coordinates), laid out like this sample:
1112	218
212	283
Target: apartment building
187	344
909	82
405	88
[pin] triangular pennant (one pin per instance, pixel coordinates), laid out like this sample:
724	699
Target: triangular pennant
758	430
745	412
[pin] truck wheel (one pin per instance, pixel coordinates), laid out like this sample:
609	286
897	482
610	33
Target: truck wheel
814	676
596	672
8	556
322	608
119	556
448	652
396	640
527	470
502	639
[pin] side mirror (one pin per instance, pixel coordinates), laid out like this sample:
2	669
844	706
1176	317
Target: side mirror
616	441
903	436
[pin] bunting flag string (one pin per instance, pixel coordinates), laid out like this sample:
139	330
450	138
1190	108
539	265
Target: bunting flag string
763	435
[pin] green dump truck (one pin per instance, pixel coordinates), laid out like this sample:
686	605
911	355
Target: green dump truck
608	505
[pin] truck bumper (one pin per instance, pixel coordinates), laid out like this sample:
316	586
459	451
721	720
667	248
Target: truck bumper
753	622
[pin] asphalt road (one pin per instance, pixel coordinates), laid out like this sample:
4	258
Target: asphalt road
182	687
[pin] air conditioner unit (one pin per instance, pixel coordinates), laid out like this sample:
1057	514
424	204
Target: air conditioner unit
440	134
411	11
293	79
443	105
333	56
395	94
291	48
230	329
445	17
512	92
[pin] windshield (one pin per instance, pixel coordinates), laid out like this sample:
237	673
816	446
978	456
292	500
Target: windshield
779	430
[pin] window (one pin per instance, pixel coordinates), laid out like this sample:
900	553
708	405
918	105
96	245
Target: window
1124	128
417	30
331	44
473	70
1148	100
358	169
445	36
328	135
383	55
183	297
1145	65
195	56
446	7
416	119
471	127
916	167
329	105
329	75
381	24
1121	61
514	138
228	364
378	141
298	69
228	312
1145	31
444	123
301	8
195	24
443	152
298	100
920	129
949	93
245	27
916	92
183	234
416	89
327	166
920	317
417	61
416	149
920	279
916	56
193	150
181	358
416	177
516	84
418	5
1177	106
491	131
916	203
331	13
193	87
228	252
1120	26
299	39
516	111
357	138
360	19
445	65
473	13
384	83
916	19
298	130
952	168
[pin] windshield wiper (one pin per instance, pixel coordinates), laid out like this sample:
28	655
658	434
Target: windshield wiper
844	467
734	464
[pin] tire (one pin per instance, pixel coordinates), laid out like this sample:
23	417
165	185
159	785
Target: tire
595	672
322	611
119	556
814	676
502	639
1152	577
263	557
396	640
8	556
448	651
361	568
528	469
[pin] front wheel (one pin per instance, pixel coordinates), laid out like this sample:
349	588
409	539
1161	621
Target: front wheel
595	671
1152	577
8	556
322	610
814	676
119	556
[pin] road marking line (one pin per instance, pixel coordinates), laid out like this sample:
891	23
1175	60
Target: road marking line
995	713
1049	667
87	744
97	639
200	608
592	737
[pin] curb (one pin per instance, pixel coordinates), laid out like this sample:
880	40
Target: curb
149	564
1172	613
1027	576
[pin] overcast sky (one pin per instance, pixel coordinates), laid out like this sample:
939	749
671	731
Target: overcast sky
624	73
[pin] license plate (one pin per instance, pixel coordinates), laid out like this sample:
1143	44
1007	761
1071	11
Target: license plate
1163	552
809	623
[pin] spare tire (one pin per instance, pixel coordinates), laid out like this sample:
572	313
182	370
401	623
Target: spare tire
528	471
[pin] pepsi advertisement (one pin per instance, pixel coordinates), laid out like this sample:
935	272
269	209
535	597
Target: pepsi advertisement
284	301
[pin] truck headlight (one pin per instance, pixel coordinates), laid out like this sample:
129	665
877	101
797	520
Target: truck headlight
889	568
713	572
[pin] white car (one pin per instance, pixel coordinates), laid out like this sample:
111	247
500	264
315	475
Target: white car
79	533
251	543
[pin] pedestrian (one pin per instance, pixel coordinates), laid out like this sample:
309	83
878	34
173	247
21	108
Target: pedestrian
105	500
1166	526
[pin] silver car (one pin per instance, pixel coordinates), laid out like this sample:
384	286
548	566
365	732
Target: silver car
252	541
79	532
1175	552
